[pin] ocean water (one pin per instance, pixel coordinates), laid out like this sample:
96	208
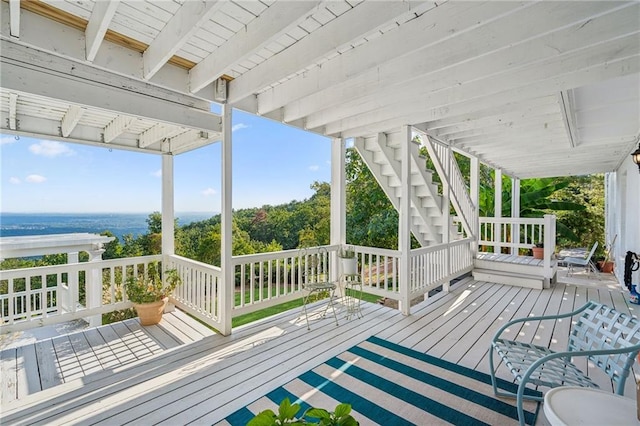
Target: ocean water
19	224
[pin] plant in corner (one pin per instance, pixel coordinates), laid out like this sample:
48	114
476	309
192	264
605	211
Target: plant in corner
287	416
538	250
349	262
149	292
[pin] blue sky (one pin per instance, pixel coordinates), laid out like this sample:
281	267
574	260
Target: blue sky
272	164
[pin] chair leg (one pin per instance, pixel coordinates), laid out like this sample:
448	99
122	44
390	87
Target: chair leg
519	403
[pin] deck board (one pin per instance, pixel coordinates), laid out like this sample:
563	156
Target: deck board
200	382
50	362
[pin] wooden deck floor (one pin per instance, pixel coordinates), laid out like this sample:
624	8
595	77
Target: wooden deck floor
31	368
205	381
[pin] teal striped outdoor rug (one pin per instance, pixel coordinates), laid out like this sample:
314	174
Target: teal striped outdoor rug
389	384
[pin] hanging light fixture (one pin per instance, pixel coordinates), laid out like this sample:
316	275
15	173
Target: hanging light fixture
635	155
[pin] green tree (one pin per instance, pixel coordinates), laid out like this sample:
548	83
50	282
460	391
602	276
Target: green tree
371	218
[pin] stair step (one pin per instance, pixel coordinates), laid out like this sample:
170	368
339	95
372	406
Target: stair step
502	277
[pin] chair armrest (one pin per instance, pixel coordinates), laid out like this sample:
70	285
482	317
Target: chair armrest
567	354
538	318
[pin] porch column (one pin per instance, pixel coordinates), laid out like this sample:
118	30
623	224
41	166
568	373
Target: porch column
404	229
549	239
446	215
515	213
168	214
94	286
338	201
228	281
474	188
497	211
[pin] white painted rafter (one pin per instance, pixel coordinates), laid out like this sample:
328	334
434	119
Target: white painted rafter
182	26
71	119
101	16
272	23
566	101
14	13
27	70
529	61
187	140
116	127
13	110
364	18
587	68
154	134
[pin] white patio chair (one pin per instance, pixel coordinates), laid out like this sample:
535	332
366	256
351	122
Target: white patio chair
584	262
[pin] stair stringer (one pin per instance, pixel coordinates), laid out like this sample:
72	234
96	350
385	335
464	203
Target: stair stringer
426	213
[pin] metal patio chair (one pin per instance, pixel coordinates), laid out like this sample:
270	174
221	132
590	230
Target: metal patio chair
584	262
608	338
315	281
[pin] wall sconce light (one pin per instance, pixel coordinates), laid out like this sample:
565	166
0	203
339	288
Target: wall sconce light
635	155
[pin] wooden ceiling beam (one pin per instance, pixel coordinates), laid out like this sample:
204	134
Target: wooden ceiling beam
573	46
55	14
180	28
71	119
275	21
98	24
362	20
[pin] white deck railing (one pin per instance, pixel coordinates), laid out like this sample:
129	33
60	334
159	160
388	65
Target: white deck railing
517	233
261	281
521	234
199	292
435	266
32	297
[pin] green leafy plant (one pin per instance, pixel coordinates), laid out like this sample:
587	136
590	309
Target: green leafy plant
346	252
539	245
287	416
151	286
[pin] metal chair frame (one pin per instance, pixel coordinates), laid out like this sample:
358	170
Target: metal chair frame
608	338
585	262
314	281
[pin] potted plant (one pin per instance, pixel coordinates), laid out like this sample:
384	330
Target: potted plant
347	256
287	411
149	292
538	251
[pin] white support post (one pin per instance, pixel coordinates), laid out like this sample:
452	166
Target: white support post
228	285
549	239
404	226
515	213
474	188
446	213
94	287
338	201
497	211
70	294
168	214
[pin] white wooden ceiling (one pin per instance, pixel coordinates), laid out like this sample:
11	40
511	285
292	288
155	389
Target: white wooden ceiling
534	88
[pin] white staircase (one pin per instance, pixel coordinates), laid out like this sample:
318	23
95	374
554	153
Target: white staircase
382	155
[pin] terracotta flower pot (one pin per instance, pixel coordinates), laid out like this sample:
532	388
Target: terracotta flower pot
538	252
606	267
151	313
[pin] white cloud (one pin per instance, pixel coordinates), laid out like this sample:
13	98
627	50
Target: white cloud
7	139
239	126
51	149
314	168
35	179
14	180
209	192
157	173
